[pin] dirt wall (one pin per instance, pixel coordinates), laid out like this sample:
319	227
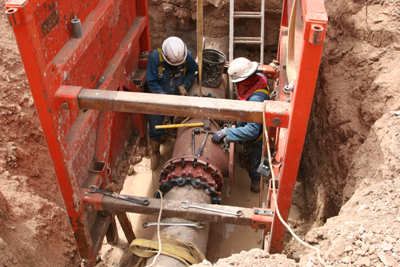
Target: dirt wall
34	227
358	83
178	18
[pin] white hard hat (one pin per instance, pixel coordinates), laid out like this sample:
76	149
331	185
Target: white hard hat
241	68
174	51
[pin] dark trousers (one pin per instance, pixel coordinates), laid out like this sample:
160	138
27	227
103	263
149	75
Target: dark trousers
253	153
156	120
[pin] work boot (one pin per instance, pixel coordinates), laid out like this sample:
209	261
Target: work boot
255	186
155	153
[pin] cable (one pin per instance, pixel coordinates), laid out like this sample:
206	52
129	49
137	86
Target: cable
158	231
275	197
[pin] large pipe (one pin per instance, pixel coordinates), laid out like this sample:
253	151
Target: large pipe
197	237
211	166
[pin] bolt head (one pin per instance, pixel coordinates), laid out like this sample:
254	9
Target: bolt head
276	121
262	225
64	105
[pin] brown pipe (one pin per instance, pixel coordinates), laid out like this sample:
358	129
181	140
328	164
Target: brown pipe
198	237
211	153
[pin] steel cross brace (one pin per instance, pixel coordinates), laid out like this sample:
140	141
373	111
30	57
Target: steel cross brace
251	216
277	113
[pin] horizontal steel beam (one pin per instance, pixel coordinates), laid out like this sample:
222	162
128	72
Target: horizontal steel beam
184	106
174	209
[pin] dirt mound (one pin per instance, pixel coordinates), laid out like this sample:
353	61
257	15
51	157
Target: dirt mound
34	227
367	229
254	257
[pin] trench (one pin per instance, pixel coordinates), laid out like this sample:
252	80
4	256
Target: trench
346	104
319	191
226	239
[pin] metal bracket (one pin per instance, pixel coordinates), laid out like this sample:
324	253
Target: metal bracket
262	218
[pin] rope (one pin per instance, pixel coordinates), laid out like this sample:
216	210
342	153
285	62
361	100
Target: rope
158	230
275	197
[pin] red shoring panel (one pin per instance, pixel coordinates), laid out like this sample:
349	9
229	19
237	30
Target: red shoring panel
113	32
301	101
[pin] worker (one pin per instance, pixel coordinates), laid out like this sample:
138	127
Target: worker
170	70
250	86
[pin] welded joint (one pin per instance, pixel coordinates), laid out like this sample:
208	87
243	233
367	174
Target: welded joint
279	118
262	218
91	201
66	97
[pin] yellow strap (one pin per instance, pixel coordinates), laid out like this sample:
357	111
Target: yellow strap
258	139
171	246
161	59
264	91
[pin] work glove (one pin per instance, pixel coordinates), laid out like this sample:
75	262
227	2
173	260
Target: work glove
182	90
218	136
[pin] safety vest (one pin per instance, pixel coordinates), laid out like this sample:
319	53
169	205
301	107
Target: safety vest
162	65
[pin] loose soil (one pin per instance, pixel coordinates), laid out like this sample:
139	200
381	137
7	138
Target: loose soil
347	194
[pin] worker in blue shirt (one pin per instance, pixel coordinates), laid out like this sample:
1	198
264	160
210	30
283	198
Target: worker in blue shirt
170	70
250	86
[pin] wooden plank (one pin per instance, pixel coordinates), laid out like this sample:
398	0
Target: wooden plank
185	106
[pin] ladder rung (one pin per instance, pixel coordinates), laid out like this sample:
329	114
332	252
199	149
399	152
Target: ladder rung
247	14
247	40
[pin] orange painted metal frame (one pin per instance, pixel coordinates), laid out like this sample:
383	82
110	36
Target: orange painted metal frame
289	142
84	145
115	32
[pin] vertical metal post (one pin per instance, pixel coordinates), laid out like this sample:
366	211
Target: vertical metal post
302	97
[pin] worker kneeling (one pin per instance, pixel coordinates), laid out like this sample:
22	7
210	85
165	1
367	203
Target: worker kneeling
250	86
170	70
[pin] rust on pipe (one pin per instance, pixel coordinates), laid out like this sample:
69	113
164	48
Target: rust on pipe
211	151
183	106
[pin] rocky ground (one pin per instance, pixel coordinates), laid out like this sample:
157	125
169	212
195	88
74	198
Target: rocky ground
350	166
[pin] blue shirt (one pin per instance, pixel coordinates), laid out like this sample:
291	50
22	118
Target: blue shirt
172	76
250	131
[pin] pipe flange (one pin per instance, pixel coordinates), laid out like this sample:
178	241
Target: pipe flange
166	186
